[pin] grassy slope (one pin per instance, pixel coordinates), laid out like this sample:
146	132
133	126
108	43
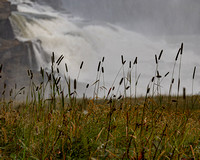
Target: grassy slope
117	129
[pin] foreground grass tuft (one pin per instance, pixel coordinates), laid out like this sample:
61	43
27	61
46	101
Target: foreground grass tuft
119	129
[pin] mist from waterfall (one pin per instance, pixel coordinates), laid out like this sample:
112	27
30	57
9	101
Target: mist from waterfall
154	17
91	29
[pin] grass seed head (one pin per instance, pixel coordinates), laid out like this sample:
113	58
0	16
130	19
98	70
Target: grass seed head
166	74
156	59
178	54
160	55
52	58
122	58
181	52
99	66
66	68
194	71
74	84
135	61
102	69
81	65
121	81
103	59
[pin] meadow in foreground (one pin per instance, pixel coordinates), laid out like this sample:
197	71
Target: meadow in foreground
113	127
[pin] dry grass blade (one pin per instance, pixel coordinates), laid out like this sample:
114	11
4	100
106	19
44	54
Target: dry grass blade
95	82
99	134
160	156
192	151
114	155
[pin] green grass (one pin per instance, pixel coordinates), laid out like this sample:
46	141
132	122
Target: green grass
65	127
120	129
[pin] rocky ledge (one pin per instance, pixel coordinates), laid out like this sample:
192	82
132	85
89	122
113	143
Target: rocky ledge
15	56
5	27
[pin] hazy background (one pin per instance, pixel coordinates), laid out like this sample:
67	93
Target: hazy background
153	17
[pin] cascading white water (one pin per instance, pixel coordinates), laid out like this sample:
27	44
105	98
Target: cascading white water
79	40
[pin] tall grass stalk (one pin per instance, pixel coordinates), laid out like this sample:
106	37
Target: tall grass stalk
193	77
156	71
179	76
179	71
172	79
97	81
129	77
81	66
112	85
136	77
123	62
101	71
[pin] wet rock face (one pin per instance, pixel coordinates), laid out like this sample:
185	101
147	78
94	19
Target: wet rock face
6	31
15	57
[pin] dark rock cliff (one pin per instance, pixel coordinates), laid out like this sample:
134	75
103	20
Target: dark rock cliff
5	27
15	56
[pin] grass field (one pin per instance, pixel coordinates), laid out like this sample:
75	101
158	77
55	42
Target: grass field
62	126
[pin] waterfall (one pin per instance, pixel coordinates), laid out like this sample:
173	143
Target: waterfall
81	40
